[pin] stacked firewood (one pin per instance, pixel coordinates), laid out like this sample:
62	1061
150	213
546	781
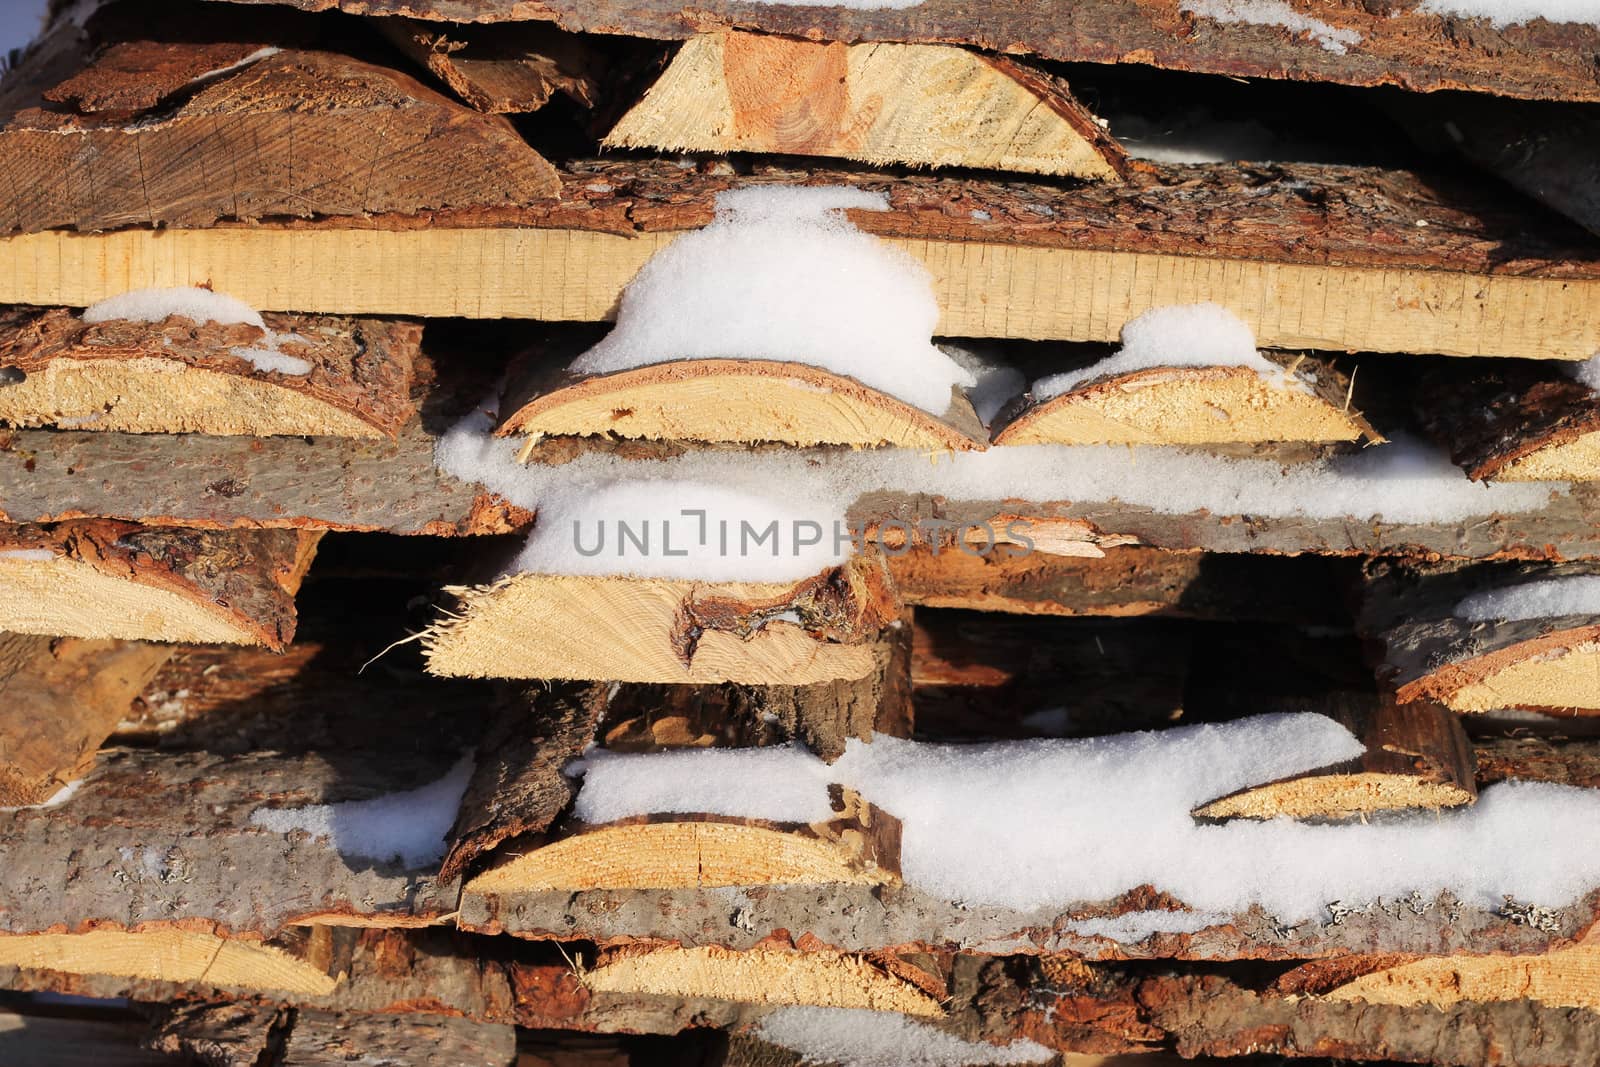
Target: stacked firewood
901	532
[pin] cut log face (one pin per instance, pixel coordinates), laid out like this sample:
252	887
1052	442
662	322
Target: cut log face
62	698
508	69
1186	406
929	105
98	579
289	143
1514	423
1564	978
760	976
172	955
740	400
665	630
1417	757
860	846
177	376
1544	664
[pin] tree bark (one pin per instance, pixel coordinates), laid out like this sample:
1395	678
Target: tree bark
1514	422
504	69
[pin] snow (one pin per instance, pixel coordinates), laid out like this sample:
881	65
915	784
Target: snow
258	54
407	827
1513	12
28	555
673	529
858	1037
1278	13
54	800
1135	926
201	305
994	383
1052	823
1588	372
193	303
782	274
1400	482
1545	598
1177	335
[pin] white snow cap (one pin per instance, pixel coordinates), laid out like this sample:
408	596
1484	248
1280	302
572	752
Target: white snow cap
858	1037
1588	372
200	305
1278	13
1513	12
1053	823
408	827
675	529
189	302
1176	335
781	274
1544	598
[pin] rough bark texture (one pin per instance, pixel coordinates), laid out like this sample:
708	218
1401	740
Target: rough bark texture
1337	248
1509	421
1358	44
1428	653
63	697
154	840
238	1034
360	368
322	1039
298	133
240	584
1417	757
228	482
503	69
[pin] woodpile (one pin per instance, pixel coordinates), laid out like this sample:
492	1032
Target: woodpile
759	534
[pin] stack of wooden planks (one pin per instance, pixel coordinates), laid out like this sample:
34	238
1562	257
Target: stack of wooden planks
1160	441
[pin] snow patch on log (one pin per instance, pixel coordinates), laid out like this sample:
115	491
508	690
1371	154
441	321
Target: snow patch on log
202	305
1135	926
1403	481
1502	13
407	827
857	1037
782	274
1547	598
1279	13
1178	335
1052	823
54	800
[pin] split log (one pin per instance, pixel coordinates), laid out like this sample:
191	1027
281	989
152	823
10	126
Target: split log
178	376
860	845
62	698
667	630
504	70
101	579
168	844
288	144
1514	422
305	961
772	975
1342	265
1356	45
1565	978
926	105
1541	664
232	482
319	1039
735	400
1417	757
1194	406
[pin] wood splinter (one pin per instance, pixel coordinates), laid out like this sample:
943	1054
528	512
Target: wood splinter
1195	406
627	629
860	845
178	376
927	105
736	400
103	579
1417	758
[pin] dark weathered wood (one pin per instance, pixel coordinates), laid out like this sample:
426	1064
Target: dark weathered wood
62	697
132	76
238	1034
1513	421
1417	756
502	69
323	1039
115	579
361	370
235	149
1358	44
225	482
